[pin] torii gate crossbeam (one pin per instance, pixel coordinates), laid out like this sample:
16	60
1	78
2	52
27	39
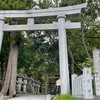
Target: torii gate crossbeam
41	27
61	26
70	10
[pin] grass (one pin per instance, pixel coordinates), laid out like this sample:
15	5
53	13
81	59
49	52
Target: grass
64	97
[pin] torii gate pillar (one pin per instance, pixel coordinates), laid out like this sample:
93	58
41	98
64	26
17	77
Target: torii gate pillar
63	55
1	30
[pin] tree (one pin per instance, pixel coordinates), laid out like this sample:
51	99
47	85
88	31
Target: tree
10	78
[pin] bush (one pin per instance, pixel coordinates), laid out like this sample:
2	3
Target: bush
64	97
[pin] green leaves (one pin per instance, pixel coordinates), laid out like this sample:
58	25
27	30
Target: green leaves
87	63
4	5
15	5
71	2
19	5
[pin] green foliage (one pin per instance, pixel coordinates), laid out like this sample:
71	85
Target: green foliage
4	6
71	2
19	5
40	56
87	63
16	5
64	97
43	4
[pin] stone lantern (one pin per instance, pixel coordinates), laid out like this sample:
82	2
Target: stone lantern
33	85
24	84
19	84
38	87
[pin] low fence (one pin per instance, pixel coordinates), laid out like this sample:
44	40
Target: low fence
21	85
36	86
82	85
77	89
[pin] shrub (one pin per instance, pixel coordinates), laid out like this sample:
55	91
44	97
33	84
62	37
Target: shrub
64	97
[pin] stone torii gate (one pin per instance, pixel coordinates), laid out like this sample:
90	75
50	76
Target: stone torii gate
61	26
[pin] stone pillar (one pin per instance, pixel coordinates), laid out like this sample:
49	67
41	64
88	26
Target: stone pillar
19	85
96	62
1	30
1	96
43	88
30	21
63	55
33	85
97	84
49	97
87	84
24	85
73	86
38	86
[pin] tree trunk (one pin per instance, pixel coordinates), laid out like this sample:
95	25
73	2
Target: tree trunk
10	78
8	75
46	85
4	70
12	88
72	58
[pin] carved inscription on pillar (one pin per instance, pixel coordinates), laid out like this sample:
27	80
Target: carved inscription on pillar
97	84
87	83
96	61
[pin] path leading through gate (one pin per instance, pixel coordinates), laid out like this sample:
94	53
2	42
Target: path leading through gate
32	97
43	97
95	98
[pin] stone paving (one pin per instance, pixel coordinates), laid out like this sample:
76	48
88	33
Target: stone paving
95	98
43	97
32	97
